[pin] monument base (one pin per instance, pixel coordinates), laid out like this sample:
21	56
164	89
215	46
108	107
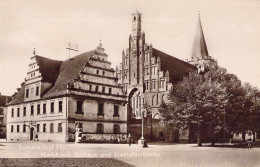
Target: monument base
142	142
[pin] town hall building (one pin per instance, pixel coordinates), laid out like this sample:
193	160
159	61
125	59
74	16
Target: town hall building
59	96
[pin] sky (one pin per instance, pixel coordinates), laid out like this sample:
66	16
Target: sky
231	29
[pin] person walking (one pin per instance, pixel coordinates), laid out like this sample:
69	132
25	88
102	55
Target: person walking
249	141
130	139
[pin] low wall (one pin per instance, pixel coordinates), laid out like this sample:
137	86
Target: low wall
104	138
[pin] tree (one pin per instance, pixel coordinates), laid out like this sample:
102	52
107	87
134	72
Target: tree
236	112
198	101
253	108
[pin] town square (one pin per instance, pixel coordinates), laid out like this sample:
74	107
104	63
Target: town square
133	83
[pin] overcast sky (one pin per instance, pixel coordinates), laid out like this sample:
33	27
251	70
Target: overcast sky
231	29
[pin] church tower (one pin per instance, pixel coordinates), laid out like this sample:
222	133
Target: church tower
136	47
200	56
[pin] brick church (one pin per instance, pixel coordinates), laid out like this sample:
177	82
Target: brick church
147	75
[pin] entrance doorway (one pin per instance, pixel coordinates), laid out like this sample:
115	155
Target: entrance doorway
31	133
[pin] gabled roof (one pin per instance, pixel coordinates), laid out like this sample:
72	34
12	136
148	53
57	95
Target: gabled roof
200	50
60	73
69	70
176	67
49	68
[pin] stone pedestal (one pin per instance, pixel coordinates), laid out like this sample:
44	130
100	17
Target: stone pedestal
142	142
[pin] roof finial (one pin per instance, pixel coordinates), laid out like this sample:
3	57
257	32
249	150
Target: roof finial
34	52
100	43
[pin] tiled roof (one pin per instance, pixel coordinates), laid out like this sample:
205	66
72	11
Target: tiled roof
57	72
69	70
3	100
176	67
48	68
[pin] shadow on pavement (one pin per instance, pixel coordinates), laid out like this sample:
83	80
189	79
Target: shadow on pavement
61	162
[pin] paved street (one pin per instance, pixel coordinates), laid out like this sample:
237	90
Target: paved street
123	155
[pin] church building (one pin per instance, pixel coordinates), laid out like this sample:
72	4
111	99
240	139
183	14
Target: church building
58	96
147	75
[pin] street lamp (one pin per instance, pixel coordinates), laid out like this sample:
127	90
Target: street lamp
142	140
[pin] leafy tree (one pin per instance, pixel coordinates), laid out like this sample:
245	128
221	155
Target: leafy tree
198	101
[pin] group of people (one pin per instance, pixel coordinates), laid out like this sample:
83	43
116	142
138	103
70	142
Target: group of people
121	139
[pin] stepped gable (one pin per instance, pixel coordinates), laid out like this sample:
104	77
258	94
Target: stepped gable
68	72
59	73
176	67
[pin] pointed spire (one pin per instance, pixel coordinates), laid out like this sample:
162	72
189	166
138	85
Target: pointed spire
200	50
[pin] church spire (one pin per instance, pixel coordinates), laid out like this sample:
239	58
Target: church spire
200	50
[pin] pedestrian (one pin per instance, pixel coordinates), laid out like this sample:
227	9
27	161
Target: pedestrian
249	141
130	139
119	140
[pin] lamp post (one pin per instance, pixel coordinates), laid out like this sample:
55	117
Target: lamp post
142	140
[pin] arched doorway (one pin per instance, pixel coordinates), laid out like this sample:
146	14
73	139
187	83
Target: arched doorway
31	133
135	103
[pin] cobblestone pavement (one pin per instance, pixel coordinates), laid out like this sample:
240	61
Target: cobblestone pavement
179	155
61	162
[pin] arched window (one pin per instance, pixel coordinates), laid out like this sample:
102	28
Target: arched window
134	18
153	101
163	98
157	99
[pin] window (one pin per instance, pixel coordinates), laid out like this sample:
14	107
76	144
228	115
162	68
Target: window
162	83
100	109
103	89
27	93
24	128
1	111
51	128
37	91
79	106
109	90
18	112
97	72
116	129
103	72
116	108
12	128
32	109
12	112
90	87
44	128
96	88
24	111
18	128
44	108
59	127
52	107
38	109
60	106
38	127
100	128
